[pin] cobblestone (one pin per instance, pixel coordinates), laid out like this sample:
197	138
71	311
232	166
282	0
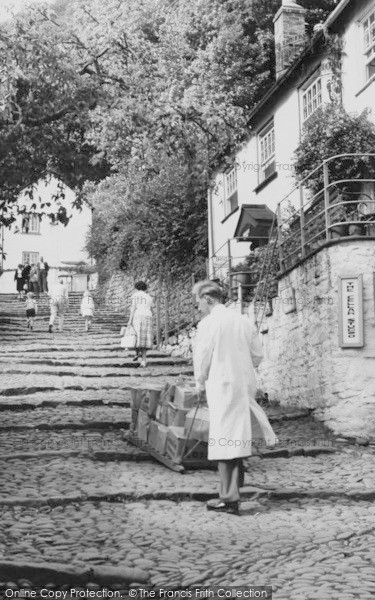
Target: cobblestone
77	509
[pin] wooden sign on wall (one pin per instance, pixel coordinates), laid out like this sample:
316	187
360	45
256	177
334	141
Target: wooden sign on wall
351	312
288	299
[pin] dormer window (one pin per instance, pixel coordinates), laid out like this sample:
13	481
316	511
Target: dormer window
230	191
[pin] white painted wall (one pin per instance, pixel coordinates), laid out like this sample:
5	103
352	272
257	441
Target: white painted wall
288	125
287	132
357	93
55	243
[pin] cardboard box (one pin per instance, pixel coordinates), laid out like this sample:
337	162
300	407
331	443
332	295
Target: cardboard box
176	440
150	397
162	438
157	436
143	425
197	423
176	416
167	394
185	397
153	434
134	419
161	414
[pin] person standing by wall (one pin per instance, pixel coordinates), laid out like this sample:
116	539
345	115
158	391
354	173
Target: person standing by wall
26	276
141	319
34	279
226	351
59	303
43	272
20	282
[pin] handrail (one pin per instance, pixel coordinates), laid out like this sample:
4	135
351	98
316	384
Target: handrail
319	208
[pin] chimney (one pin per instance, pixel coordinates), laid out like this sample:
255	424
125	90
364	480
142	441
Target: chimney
290	36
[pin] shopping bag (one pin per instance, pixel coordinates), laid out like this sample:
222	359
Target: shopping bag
129	339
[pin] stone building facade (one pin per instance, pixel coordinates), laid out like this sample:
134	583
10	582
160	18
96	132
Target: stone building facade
304	363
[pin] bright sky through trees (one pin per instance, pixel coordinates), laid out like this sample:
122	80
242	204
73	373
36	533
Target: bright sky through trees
8	8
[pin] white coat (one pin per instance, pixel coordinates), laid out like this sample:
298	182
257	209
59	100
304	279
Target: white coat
226	351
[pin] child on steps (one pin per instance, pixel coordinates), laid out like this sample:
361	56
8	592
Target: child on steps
31	309
87	309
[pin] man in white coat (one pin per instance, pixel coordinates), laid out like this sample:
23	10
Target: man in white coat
226	351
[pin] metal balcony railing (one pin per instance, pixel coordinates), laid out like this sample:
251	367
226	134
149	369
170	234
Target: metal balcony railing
336	200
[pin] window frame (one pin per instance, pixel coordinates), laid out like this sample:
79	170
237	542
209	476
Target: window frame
368	43
267	153
230	191
34	224
315	82
26	256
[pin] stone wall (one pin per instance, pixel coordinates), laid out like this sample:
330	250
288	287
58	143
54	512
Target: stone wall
177	301
304	365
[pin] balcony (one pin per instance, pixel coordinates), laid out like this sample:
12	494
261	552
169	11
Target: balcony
332	204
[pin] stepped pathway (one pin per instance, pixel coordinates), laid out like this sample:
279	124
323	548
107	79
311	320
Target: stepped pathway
74	493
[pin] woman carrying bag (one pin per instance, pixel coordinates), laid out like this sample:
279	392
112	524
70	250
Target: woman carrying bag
141	320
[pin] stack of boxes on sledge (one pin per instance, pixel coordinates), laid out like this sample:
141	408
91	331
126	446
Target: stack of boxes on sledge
163	418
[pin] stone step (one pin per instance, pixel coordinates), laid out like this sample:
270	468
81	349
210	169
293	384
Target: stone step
61	416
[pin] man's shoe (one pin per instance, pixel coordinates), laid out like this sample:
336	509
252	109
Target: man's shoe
227	507
50	328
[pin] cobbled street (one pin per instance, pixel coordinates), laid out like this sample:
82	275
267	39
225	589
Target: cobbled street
75	493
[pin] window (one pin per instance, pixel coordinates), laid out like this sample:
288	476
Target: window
311	99
369	44
267	152
230	187
31	257
30	223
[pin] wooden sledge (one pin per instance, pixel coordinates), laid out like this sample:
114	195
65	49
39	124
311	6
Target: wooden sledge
187	459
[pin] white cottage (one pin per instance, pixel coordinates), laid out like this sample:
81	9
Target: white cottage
262	169
318	332
34	236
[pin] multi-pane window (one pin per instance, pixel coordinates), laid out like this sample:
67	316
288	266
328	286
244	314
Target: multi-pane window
369	44
30	223
311	98
267	151
231	196
31	257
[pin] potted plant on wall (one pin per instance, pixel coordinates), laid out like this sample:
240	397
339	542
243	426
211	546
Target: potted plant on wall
332	131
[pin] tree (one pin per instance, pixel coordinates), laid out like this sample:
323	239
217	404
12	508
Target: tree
151	223
149	90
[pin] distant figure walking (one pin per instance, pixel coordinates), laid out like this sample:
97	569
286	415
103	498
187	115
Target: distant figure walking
87	309
20	282
43	272
141	319
31	309
59	303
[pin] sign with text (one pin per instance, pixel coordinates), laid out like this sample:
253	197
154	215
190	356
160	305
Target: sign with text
351	312
288	299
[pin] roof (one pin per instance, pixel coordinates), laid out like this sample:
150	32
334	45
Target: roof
318	38
254	222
